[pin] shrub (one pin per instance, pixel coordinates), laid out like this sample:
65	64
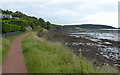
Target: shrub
38	29
5	27
10	27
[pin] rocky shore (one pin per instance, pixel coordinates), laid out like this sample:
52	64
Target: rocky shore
100	51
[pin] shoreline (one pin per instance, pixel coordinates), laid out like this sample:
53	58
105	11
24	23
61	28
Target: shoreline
91	50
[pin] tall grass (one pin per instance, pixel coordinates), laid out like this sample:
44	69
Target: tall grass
6	43
0	50
42	56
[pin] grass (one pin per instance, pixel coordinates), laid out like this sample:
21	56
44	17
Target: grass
0	50
43	56
6	43
77	27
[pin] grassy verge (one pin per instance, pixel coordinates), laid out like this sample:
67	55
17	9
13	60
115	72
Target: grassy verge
42	56
0	50
6	43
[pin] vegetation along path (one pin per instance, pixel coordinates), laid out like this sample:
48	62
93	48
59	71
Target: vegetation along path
14	63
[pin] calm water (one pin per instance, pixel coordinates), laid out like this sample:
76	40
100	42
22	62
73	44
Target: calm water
99	34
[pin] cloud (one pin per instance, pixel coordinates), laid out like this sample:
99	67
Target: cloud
59	1
68	11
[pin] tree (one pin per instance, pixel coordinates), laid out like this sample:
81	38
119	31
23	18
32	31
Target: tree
25	21
6	12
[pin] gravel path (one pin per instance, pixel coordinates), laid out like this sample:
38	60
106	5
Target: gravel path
14	62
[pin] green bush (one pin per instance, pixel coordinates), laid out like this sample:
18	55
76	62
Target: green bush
10	27
5	27
14	27
38	29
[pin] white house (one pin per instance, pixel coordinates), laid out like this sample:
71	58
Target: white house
2	15
9	16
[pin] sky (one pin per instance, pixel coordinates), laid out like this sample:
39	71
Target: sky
68	12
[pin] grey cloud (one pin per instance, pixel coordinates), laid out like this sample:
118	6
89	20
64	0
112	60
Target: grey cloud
63	12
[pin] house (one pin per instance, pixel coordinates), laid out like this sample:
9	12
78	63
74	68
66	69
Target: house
2	15
8	16
16	17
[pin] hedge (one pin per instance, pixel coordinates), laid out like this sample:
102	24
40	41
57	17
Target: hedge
10	27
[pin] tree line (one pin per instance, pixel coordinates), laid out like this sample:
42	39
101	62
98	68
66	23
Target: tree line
12	24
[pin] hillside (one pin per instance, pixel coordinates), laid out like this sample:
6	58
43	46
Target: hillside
90	26
18	21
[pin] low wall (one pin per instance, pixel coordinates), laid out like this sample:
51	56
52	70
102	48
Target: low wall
11	34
